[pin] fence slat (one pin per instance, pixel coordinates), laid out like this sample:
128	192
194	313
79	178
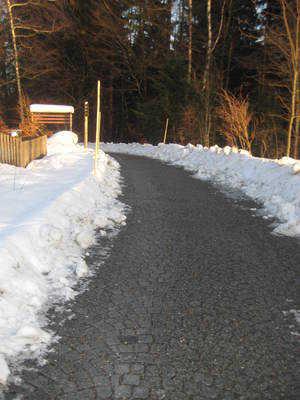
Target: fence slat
18	152
6	149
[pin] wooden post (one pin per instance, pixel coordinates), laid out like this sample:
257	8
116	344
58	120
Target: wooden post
166	130
86	124
71	121
98	128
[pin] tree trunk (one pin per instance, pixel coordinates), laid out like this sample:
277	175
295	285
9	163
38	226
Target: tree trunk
206	78
228	56
16	57
276	146
168	22
181	21
190	48
294	47
297	95
297	125
229	59
111	108
293	116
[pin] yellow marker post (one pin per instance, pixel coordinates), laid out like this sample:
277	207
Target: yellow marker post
86	124
166	131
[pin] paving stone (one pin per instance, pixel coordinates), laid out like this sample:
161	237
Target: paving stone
122	392
126	348
131	379
158	394
140	393
141	348
138	368
122	369
129	339
104	392
145	339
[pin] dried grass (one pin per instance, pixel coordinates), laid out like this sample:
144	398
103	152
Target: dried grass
237	121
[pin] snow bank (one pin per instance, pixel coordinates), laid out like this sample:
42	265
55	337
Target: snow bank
273	183
48	215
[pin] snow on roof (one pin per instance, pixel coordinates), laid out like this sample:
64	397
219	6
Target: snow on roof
51	108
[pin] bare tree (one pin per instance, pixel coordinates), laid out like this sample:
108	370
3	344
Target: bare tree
29	19
292	29
238	124
210	47
282	39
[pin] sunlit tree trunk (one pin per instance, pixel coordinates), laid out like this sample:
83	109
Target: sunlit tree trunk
297	126
16	58
228	56
206	77
293	40
297	94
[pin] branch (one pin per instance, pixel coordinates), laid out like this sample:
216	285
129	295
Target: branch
220	27
287	27
35	29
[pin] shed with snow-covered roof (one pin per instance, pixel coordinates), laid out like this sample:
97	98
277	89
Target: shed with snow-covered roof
52	114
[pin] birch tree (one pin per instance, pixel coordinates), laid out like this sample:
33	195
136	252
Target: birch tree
16	55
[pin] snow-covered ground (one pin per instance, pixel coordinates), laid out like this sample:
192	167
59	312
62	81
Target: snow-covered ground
48	216
275	184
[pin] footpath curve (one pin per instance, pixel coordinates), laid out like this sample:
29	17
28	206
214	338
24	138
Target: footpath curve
192	302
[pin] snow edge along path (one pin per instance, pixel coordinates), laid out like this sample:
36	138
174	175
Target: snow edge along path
48	218
273	183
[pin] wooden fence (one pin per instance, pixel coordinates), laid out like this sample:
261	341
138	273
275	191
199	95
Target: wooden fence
20	151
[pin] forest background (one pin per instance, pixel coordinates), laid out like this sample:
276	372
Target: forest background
222	71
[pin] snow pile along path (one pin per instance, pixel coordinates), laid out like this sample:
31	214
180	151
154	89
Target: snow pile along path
48	216
273	183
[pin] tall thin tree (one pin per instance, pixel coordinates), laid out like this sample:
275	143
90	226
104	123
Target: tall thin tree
190	44
210	47
16	57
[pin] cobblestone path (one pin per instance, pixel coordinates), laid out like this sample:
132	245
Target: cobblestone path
188	305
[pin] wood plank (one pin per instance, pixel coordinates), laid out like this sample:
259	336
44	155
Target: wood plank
51	120
5	149
51	116
47	121
15	151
